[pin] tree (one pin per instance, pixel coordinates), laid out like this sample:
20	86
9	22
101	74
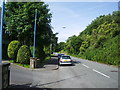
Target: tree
20	23
73	43
60	46
100	40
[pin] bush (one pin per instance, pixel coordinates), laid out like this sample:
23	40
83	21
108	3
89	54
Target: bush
13	48
31	51
23	55
37	54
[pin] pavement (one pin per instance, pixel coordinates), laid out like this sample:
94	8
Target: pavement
82	74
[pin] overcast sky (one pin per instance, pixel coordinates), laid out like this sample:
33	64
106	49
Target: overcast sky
71	18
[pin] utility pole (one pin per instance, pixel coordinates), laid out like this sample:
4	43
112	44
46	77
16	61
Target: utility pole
1	30
34	47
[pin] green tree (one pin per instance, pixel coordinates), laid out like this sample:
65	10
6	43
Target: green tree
83	47
99	41
60	46
13	48
73	43
20	23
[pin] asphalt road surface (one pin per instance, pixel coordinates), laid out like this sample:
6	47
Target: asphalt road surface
83	74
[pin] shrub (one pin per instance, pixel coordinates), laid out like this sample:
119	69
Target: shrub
23	55
36	52
31	51
13	48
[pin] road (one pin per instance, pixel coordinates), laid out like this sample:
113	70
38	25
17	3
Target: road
83	74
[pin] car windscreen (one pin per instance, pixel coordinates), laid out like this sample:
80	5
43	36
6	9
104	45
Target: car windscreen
65	57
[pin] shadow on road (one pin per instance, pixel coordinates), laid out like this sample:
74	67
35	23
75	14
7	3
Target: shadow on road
25	87
76	62
52	61
28	85
62	80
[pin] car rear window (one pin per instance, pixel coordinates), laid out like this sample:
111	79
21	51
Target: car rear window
65	57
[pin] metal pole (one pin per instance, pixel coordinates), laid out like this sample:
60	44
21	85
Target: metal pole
50	49
1	27
34	47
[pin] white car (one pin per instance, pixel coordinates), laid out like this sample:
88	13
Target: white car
65	59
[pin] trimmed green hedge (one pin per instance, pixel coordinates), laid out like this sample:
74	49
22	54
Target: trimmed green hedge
13	48
23	55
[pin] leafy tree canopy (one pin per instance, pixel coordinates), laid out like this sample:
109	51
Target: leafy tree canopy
19	17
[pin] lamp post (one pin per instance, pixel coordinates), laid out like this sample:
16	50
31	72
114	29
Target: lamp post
34	47
1	30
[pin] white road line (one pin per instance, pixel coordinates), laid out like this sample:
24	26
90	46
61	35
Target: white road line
101	73
85	66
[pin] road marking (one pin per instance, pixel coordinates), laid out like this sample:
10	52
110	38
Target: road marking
85	66
101	73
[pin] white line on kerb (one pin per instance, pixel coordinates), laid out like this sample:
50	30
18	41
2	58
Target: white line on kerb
101	73
85	66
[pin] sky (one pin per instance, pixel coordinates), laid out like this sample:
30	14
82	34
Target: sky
71	18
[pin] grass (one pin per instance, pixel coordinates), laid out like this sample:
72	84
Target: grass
52	55
28	65
11	61
47	58
23	65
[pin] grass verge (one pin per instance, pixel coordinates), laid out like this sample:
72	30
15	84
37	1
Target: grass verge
28	65
23	65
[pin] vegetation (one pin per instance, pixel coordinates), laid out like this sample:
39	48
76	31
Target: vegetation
60	46
13	48
23	55
23	65
99	41
20	25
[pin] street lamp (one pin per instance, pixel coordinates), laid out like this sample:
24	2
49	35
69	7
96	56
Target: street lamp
34	47
1	30
1	27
